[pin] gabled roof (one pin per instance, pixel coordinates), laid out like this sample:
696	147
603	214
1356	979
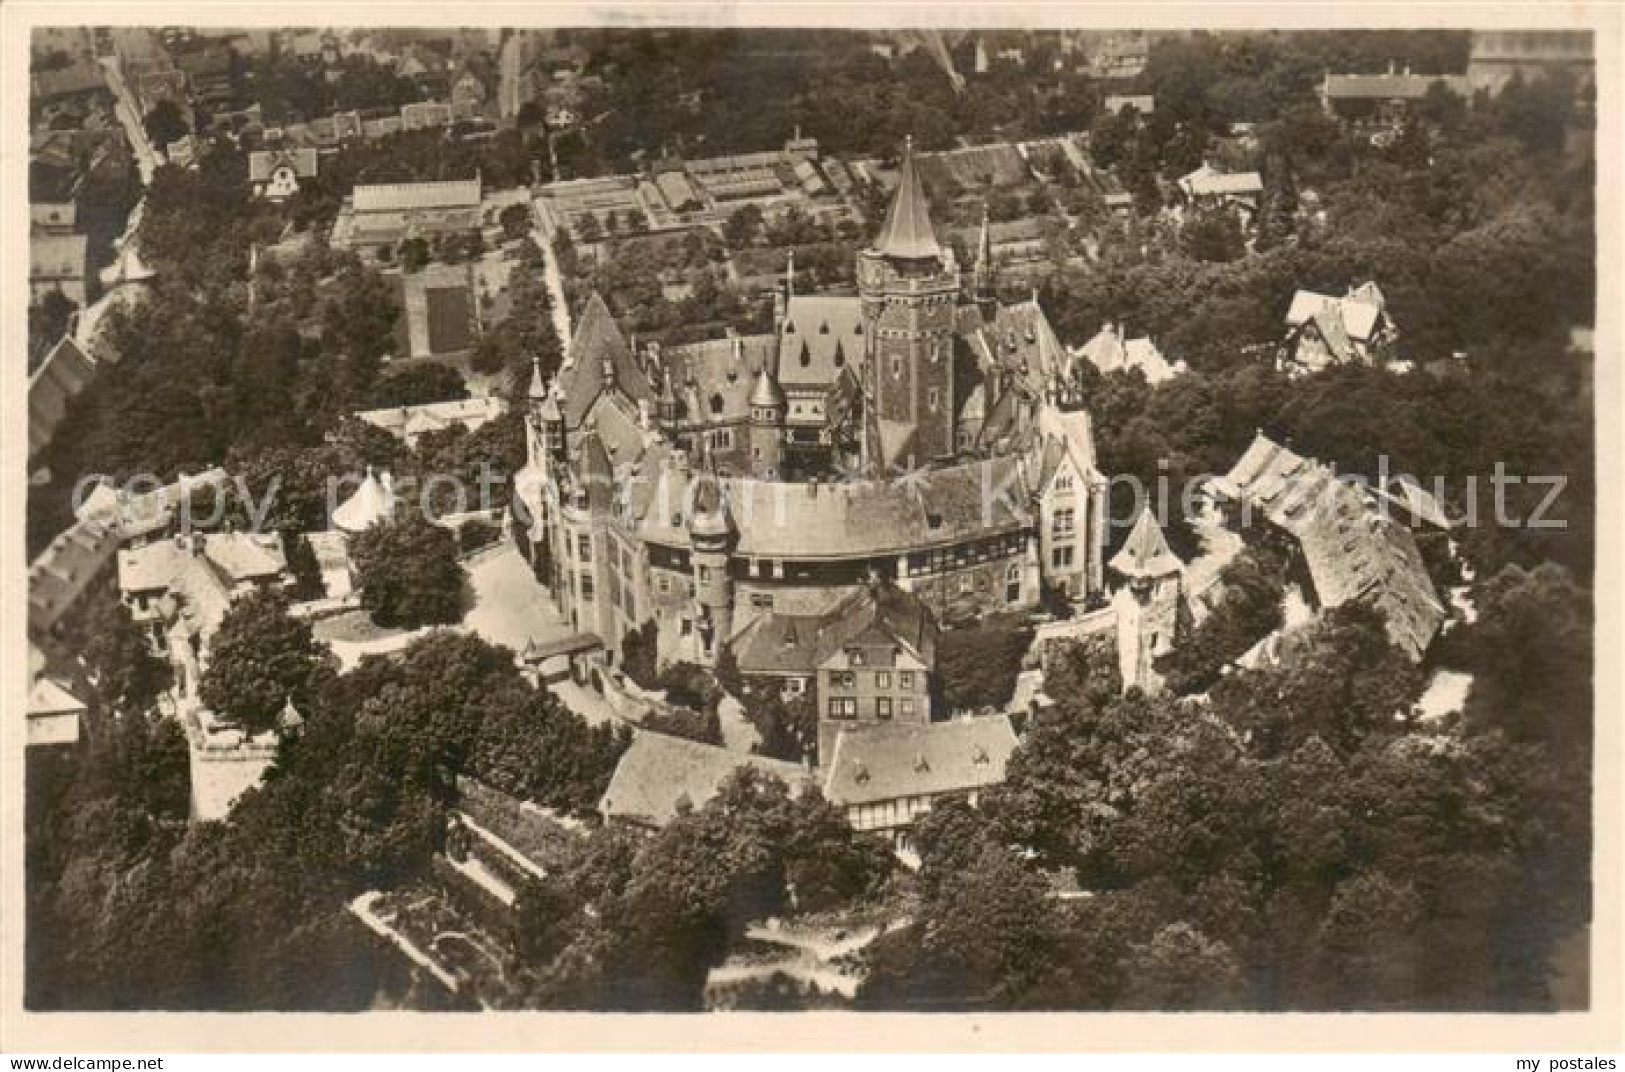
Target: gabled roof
66	371
415	196
1146	553
881	762
822	334
659	774
262	162
907	234
1206	181
597	338
1359	312
1352	551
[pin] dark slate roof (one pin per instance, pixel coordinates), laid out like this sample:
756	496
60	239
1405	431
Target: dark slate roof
891	761
873	614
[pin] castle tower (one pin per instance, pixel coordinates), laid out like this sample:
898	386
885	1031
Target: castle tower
767	411
544	428
711	535
908	287
985	275
1150	606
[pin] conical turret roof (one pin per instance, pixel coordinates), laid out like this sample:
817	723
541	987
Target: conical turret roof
908	233
1146	553
538	386
766	394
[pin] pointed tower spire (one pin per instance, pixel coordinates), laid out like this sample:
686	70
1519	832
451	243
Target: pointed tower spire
908	234
538	386
1145	555
985	279
790	274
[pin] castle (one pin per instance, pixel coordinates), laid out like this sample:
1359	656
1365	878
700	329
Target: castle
920	433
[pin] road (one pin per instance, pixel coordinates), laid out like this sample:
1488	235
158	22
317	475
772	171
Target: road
129	114
555	285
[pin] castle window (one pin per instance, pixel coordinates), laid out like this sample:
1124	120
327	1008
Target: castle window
905	680
705	574
882	679
842	679
883	707
896	367
843	707
663	583
934	399
823	328
716	405
584	547
1065	523
586	588
761	600
906	708
1062	557
855	656
1012	584
1063	482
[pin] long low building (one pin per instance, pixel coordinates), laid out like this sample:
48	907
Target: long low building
383	215
882	777
409	423
1353	549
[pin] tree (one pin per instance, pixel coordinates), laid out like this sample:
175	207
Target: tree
259	660
639	657
1213	236
515	220
977	664
414	255
1181	968
1531	651
165	123
408	573
306	570
419	384
127	674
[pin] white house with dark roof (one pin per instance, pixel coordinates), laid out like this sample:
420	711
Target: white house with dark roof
1325	330
277	173
1209	188
409	423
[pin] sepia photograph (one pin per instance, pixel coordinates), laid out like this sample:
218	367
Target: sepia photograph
714	518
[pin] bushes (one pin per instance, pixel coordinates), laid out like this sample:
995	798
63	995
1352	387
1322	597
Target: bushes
473	535
1250	610
977	665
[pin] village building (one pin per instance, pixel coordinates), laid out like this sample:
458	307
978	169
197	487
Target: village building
53	713
1207	188
694	486
885	777
659	777
1499	56
1144	104
869	658
276	173
179	589
1352	549
410	423
1111	350
1324	330
373	217
60	262
61	573
52	217
1382	99
66	371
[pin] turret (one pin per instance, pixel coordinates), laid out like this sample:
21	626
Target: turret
767	410
783	293
711	536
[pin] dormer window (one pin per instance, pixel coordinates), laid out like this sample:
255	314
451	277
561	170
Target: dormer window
789	327
823	328
855	656
806	355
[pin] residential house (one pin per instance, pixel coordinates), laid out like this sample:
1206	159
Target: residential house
180	589
58	262
1111	350
1352	549
659	777
409	423
885	777
1323	330
1207	188
1382	99
276	173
